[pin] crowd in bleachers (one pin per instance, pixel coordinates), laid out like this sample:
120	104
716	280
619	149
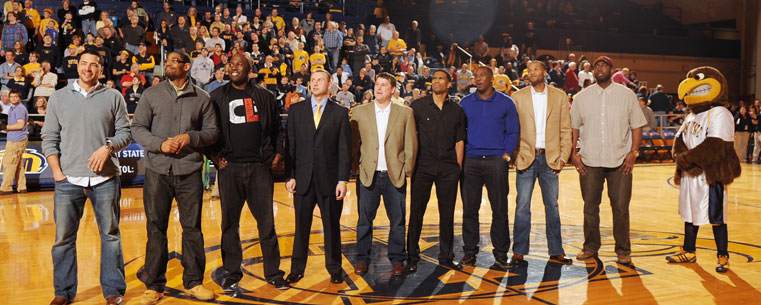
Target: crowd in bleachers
40	53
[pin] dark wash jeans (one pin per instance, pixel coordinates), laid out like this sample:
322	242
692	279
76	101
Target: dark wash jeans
158	192
69	204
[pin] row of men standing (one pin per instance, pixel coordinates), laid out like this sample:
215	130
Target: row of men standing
238	126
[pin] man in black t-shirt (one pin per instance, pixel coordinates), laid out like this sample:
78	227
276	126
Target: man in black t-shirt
250	144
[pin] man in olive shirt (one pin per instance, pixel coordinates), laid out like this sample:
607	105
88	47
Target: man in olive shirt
441	139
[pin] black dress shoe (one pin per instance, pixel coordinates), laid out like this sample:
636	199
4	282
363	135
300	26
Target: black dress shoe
468	259
561	259
293	278
450	264
60	301
337	278
411	266
501	262
279	283
229	285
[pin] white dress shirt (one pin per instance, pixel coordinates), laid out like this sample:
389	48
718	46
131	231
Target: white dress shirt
86	181
540	114
381	119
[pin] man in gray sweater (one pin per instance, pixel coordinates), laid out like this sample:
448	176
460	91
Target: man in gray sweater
85	124
174	121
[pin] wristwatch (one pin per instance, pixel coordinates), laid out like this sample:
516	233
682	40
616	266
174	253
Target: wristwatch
636	153
109	146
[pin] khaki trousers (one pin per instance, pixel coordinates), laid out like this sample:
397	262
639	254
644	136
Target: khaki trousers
13	166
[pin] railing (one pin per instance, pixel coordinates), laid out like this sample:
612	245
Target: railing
470	57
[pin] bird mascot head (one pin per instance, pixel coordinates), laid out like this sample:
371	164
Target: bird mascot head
703	88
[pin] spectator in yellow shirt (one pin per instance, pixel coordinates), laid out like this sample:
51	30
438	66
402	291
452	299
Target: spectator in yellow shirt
277	20
33	67
317	59
397	46
299	57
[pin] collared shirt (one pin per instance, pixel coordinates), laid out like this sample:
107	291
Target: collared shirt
438	132
333	39
316	102
180	90
381	120
492	125
83	91
605	118
87	181
17	112
540	114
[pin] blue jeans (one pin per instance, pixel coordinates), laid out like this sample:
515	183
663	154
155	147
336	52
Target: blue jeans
660	121
393	200
69	204
333	56
548	182
131	48
89	25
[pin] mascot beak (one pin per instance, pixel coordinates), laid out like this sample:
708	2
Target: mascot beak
699	89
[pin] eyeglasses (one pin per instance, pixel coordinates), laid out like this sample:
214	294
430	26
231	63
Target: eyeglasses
174	60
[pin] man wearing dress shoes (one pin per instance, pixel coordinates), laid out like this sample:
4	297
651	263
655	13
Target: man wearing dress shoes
441	146
388	146
318	161
545	144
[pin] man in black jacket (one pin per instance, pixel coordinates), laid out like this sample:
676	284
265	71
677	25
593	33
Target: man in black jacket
317	167
251	141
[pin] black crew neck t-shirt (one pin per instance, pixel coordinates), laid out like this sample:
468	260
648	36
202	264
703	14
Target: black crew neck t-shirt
245	128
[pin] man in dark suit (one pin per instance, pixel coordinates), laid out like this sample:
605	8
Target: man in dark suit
319	157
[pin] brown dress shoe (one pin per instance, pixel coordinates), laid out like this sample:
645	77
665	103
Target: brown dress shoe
398	269
624	259
516	261
60	301
360	268
114	300
561	259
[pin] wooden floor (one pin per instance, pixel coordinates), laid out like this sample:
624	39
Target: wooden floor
27	232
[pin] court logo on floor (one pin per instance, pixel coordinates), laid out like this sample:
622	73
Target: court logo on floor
540	279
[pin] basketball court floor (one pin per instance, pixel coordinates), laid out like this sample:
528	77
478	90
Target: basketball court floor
27	233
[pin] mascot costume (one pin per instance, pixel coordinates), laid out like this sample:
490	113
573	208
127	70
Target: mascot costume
705	162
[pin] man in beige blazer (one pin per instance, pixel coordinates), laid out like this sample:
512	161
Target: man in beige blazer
387	151
544	148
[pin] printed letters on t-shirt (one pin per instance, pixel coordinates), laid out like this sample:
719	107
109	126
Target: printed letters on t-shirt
251	114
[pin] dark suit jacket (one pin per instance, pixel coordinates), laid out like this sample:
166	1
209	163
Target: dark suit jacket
323	153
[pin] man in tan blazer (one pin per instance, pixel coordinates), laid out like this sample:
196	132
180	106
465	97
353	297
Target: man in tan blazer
544	148
388	147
